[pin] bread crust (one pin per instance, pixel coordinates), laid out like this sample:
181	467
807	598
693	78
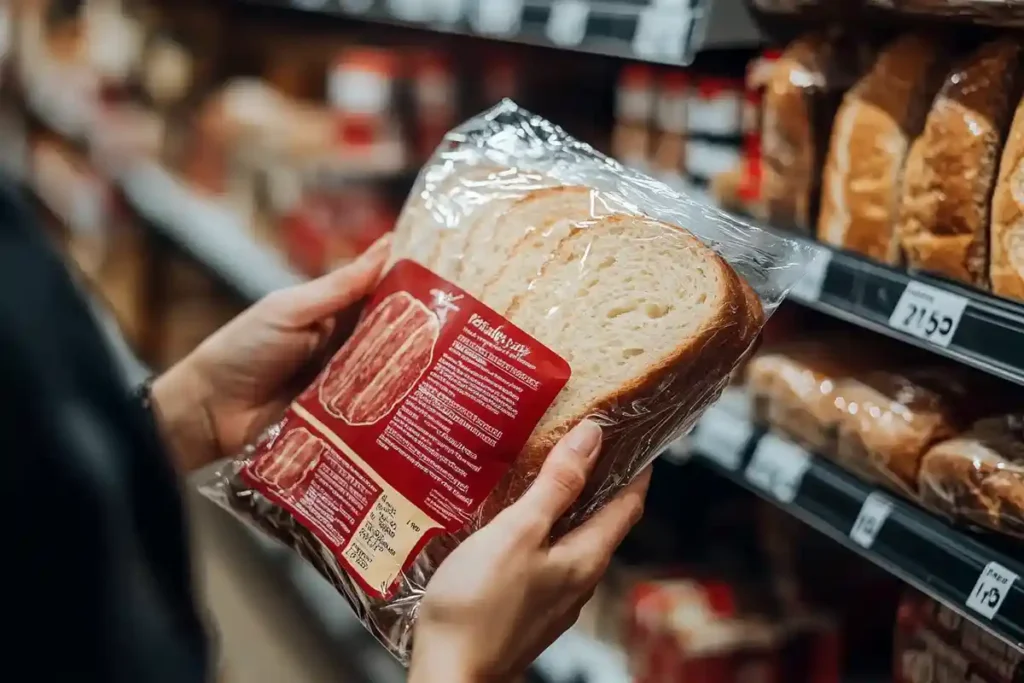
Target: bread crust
872	133
1007	231
944	214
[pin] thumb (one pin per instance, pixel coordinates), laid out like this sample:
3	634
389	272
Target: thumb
332	293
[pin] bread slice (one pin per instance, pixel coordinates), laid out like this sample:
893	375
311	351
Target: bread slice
871	135
650	319
1007	232
527	235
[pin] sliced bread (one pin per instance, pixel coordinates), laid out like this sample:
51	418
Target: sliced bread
651	321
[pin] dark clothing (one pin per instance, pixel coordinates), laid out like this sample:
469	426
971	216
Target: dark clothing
101	588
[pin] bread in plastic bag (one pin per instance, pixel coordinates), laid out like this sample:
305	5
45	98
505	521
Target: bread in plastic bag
800	101
978	476
534	282
890	419
952	166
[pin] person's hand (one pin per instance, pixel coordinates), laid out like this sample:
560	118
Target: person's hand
239	381
504	595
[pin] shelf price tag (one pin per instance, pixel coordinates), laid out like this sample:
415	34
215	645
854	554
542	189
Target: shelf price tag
990	589
928	313
873	513
567	23
808	288
497	17
777	467
722	438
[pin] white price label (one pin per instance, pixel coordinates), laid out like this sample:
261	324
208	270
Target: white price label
991	588
661	30
722	437
567	23
777	467
928	313
497	17
808	288
873	513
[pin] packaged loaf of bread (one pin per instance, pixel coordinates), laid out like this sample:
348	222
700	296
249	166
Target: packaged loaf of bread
801	97
888	420
793	388
944	214
1006	268
978	476
871	135
533	283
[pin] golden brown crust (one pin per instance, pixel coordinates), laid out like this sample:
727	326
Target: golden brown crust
944	213
871	135
1007	232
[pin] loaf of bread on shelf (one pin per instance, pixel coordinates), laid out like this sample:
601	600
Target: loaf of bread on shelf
793	387
978	476
1007	230
800	100
871	135
948	182
888	420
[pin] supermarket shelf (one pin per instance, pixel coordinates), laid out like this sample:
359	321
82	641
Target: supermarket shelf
969	326
937	558
210	233
662	31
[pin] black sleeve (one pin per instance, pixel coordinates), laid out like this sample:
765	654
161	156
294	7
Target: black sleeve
101	575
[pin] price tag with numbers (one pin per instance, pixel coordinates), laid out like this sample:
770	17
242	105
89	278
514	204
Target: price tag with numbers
497	17
990	589
873	513
928	313
777	467
722	437
567	23
808	288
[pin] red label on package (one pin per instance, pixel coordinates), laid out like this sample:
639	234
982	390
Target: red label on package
409	427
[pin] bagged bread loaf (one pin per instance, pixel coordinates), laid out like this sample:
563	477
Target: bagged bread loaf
889	420
801	97
978	476
1007	229
944	216
794	388
871	135
535	283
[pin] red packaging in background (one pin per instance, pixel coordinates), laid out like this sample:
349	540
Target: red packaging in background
360	89
634	109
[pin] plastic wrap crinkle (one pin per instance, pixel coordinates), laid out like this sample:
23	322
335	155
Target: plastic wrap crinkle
534	282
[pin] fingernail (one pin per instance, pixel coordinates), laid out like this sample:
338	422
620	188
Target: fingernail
584	438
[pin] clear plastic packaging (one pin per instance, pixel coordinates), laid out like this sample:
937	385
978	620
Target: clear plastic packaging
951	168
890	419
802	94
978	476
523	262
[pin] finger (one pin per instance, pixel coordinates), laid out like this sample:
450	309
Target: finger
586	551
562	477
332	293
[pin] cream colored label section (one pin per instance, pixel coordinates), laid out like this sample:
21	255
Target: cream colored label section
387	536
